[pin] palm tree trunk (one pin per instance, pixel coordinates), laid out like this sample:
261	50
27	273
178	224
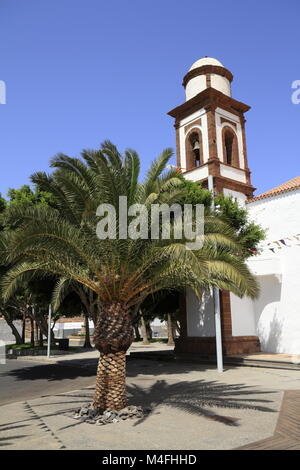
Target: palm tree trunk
13	329
41	340
87	341
137	332
170	331
23	328
88	301
32	332
43	326
113	335
144	331
174	329
110	393
149	330
36	329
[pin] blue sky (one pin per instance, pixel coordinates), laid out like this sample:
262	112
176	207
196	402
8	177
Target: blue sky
81	71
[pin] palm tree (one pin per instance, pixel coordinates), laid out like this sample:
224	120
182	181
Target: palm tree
121	272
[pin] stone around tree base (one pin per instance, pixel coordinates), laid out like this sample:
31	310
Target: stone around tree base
88	414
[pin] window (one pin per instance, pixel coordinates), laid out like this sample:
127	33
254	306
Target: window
193	145
230	147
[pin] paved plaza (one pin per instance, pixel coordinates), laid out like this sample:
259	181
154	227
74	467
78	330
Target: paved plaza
192	407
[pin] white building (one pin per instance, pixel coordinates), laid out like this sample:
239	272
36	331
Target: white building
276	312
211	140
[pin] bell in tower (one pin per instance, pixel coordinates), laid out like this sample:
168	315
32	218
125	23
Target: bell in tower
196	150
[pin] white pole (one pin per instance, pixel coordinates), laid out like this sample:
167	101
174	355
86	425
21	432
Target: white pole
216	297
49	332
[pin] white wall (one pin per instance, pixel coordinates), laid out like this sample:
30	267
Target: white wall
200	315
197	174
220	83
232	173
277	310
289	341
275	316
241	197
64	329
195	86
242	316
268	316
198	84
280	214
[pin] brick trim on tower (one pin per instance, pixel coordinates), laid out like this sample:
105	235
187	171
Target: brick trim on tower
207	69
178	155
223	120
196	122
212	133
210	97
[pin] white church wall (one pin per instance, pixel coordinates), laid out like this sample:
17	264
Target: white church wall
242	316
200	315
241	197
289	340
280	214
277	309
268	315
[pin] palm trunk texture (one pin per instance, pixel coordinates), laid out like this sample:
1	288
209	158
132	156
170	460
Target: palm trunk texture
113	335
110	393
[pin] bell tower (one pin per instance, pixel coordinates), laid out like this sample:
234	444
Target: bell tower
210	140
210	131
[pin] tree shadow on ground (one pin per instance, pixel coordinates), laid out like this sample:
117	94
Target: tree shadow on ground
50	372
200	398
72	369
137	366
10	438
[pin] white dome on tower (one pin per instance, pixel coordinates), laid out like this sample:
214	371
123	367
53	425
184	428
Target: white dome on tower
206	61
207	73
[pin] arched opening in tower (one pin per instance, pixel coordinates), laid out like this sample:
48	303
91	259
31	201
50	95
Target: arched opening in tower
194	150
230	147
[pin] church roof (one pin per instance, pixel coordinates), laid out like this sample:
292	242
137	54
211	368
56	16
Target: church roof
203	99
283	188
